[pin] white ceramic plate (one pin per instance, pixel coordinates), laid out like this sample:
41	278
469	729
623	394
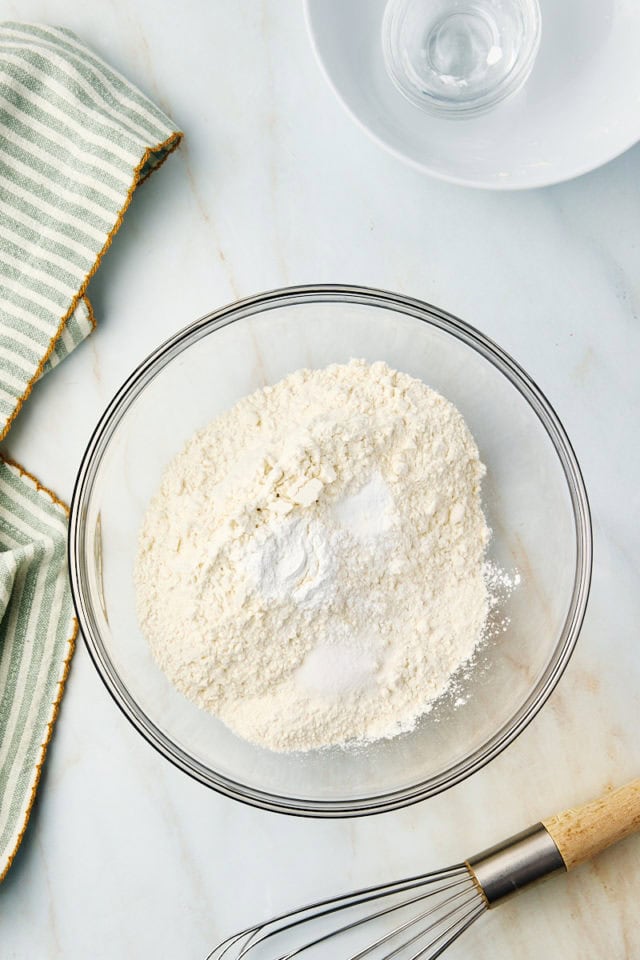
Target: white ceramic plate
579	108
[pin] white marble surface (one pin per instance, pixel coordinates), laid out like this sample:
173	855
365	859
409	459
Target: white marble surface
127	857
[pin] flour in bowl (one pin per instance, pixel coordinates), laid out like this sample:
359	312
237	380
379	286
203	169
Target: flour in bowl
311	568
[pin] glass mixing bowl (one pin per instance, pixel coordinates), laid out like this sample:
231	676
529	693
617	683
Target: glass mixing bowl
533	495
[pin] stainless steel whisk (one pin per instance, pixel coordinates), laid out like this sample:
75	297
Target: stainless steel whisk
419	917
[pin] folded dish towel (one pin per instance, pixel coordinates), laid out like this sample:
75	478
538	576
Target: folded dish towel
76	139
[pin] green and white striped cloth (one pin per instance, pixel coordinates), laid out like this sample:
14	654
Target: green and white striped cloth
76	138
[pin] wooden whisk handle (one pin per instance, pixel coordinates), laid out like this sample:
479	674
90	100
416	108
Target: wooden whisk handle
582	832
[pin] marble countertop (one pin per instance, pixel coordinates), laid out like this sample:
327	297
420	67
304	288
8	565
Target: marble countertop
127	857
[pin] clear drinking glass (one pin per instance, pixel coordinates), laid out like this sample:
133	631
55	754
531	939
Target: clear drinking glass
460	58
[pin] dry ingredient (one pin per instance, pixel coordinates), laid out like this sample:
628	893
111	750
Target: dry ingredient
311	568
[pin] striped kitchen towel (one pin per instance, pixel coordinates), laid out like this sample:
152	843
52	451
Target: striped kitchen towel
76	139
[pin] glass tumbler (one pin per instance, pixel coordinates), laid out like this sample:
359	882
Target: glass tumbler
460	58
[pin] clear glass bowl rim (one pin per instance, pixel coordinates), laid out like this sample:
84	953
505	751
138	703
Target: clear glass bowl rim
337	293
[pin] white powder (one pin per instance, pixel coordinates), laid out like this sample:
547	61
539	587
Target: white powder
311	569
292	560
367	513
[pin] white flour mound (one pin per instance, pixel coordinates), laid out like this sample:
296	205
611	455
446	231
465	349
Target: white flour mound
311	569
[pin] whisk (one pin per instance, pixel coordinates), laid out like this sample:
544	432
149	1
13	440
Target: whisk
419	917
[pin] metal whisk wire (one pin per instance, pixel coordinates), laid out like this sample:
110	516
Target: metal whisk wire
459	904
461	893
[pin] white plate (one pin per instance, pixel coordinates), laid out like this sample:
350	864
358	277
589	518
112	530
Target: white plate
579	108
